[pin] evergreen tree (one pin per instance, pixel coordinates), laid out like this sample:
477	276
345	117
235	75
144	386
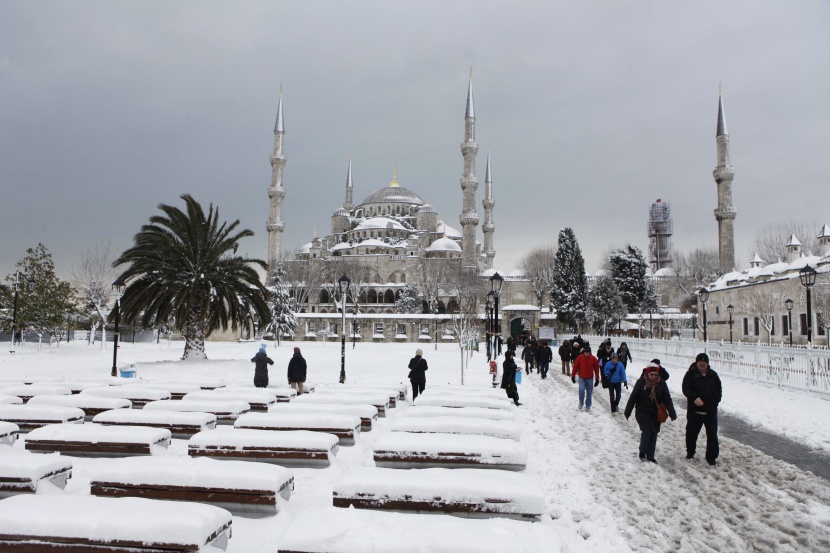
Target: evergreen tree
282	306
628	269
605	303
569	292
409	301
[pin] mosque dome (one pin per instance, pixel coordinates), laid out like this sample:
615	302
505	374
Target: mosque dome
342	212
394	193
380	223
444	245
426	208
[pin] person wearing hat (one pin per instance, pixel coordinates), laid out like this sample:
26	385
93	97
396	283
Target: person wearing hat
702	388
614	372
649	392
261	361
624	354
508	377
417	369
586	367
664	374
297	369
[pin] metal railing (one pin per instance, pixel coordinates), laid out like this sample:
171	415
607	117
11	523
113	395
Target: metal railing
795	368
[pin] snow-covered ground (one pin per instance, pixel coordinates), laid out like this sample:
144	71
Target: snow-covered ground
598	495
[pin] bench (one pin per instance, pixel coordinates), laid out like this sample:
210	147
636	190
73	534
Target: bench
345	427
391	392
30	417
469	426
308	387
88	524
27	391
24	472
93	440
470	492
8	433
6	399
357	530
283	393
226	412
475	412
177	389
455	400
408	450
401	391
243	488
378	401
466	391
290	448
258	399
77	386
139	394
180	424
90	405
367	413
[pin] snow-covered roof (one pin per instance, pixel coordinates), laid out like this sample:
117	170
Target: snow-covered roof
757	258
380	223
793	241
449	231
520	307
444	245
601	273
824	232
664	272
781	269
305	248
426	208
374	242
340	246
342	212
516	273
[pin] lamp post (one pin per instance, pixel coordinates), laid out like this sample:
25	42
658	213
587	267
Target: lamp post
488	325
495	287
731	309
344	283
435	323
118	286
820	320
14	315
354	325
808	279
788	303
703	294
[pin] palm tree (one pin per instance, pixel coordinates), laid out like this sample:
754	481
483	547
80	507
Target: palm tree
183	268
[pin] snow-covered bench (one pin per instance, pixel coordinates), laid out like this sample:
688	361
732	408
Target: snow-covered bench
289	448
23	472
474	412
378	401
243	488
27	391
465	391
90	405
308	387
177	389
6	399
455	400
408	450
473	492
367	413
471	426
30	417
392	392
76	386
345	427
139	394
259	400
226	412
87	524
357	531
180	424
94	440
8	433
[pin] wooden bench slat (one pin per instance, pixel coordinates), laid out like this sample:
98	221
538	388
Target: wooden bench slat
289	448
410	450
98	441
345	427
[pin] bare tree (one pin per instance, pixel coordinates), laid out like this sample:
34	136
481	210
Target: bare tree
770	241
764	305
431	276
466	288
92	276
304	278
692	271
537	266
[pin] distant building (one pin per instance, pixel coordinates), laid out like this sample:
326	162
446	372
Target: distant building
660	230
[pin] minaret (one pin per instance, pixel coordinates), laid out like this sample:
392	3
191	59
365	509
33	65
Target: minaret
276	193
349	205
725	213
469	184
488	227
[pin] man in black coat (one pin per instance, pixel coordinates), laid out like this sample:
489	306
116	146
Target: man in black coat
297	369
508	377
565	356
702	388
417	369
261	367
544	355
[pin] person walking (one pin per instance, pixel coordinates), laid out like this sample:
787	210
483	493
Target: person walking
604	352
544	355
664	374
565	356
586	367
648	394
702	388
528	357
614	372
297	370
417	369
261	361
508	377
624	355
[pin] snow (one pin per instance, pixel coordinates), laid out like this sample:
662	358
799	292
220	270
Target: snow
486	450
140	416
95	433
240	438
370	398
456	400
133	393
9	400
362	411
309	421
458	425
107	519
277	390
29	390
15	463
82	401
224	407
475	412
250	397
40	413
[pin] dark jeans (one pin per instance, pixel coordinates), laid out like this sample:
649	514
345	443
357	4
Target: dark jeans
694	422
512	392
648	443
543	368
614	391
417	388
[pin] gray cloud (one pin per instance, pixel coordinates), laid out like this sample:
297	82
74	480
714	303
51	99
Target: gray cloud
593	110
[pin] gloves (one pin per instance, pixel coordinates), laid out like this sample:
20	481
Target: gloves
626	417
596	382
674	418
573	379
626	385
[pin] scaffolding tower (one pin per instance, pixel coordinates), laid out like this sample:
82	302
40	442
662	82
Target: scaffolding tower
660	230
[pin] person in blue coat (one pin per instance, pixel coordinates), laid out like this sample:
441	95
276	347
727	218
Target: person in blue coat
614	372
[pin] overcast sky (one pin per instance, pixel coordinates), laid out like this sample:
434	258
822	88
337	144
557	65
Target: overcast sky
592	110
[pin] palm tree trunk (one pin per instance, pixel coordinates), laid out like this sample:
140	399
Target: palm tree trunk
194	336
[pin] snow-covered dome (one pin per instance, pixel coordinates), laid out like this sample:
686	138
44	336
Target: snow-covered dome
305	248
426	208
444	245
601	273
448	230
340	246
380	223
394	195
517	273
373	242
342	212
664	272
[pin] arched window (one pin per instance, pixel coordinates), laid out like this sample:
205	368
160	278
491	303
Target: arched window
389	297
442	309
452	306
519	298
362	298
324	296
372	297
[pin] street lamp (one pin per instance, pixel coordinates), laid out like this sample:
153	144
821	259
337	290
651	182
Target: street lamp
14	316
808	279
488	325
820	320
703	294
118	286
495	287
731	309
435	324
344	283
788	303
